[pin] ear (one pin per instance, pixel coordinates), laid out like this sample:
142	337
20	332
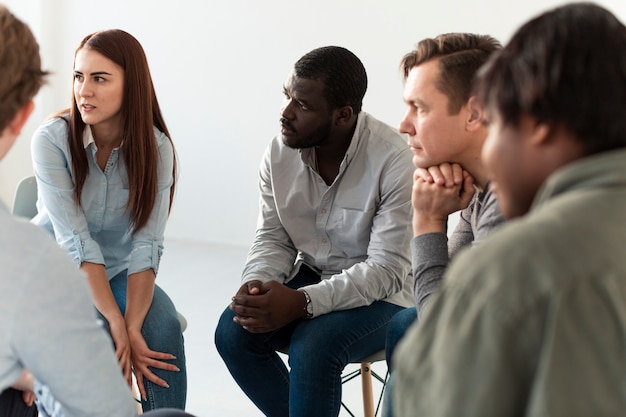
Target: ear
343	115
20	118
475	114
538	134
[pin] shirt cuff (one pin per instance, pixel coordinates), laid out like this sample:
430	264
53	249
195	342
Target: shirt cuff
86	250
144	255
47	406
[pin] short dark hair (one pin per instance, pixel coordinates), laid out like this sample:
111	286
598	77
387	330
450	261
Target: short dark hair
460	56
567	66
342	73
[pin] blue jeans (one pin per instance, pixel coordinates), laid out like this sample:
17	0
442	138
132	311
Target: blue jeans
398	326
167	412
388	396
396	330
319	350
162	332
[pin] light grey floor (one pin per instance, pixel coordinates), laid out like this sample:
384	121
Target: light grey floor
200	278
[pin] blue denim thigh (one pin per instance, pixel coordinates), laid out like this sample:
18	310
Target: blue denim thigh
162	332
397	328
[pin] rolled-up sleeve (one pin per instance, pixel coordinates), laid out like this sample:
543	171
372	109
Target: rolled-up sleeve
56	203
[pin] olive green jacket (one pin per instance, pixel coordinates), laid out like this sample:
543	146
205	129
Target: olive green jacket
532	322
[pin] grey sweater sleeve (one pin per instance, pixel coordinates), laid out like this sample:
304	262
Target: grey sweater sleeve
430	257
431	252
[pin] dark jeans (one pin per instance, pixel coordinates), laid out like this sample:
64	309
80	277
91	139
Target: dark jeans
398	326
319	350
167	412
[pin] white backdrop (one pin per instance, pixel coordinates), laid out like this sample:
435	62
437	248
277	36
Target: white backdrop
218	69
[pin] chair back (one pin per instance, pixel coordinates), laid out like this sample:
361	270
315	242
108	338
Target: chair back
25	201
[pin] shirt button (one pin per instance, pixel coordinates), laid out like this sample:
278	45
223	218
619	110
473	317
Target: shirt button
323	211
324	241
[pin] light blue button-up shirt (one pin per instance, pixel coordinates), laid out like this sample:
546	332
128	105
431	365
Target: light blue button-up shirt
98	232
356	231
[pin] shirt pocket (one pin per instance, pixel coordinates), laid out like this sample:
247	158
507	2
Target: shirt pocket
116	216
354	229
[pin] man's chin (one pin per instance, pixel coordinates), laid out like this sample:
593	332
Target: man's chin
421	162
293	143
289	141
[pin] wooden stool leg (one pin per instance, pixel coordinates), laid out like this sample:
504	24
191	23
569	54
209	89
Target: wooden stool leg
366	385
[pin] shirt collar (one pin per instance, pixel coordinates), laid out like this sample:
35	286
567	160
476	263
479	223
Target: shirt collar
88	137
603	169
356	138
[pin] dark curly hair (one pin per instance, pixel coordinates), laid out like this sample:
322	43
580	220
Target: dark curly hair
568	67
342	73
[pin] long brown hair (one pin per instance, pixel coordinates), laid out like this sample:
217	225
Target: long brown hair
139	147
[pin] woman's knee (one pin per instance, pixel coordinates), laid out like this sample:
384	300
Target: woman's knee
160	322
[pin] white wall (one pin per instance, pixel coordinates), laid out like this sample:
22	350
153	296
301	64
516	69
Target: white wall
218	68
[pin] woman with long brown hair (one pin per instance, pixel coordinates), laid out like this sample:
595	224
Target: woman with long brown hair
106	173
